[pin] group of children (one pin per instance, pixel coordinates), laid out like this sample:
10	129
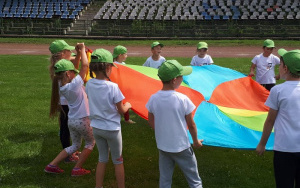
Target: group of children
94	111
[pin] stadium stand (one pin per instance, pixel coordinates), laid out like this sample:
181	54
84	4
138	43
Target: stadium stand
182	9
169	18
41	8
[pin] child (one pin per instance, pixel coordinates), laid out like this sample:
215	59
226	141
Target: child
265	65
202	58
61	50
71	87
169	114
284	103
120	55
156	59
106	105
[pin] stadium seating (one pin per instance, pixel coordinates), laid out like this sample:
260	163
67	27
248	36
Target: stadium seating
41	8
199	9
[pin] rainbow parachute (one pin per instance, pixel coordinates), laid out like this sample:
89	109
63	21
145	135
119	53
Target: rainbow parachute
230	106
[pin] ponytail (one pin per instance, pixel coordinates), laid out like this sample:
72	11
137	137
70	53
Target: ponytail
53	59
55	103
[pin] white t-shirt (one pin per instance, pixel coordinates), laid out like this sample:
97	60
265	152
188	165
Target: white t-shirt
63	100
76	98
155	64
169	109
265	68
103	96
198	61
285	98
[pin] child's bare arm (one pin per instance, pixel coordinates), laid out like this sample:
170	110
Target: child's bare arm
252	69
76	60
193	130
122	108
151	120
84	60
268	126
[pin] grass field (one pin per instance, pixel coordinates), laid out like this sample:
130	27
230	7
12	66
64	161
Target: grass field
29	139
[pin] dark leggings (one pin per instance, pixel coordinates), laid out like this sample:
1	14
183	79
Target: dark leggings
287	169
64	133
268	86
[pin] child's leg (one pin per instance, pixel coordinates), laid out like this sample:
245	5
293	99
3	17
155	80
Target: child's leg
103	150
115	144
285	167
75	134
166	169
61	156
187	162
87	134
100	171
120	175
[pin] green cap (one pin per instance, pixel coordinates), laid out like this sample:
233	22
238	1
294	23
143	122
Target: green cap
59	45
64	65
119	50
171	69
156	43
269	43
201	45
102	56
291	60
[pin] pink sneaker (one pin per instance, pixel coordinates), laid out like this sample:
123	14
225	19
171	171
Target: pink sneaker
79	172
53	169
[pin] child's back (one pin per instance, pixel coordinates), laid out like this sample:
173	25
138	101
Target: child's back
283	115
103	96
170	113
169	109
106	105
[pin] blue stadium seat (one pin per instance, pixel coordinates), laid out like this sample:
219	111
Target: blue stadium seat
49	16
41	16
9	15
17	15
216	17
32	15
225	17
72	16
24	15
58	13
64	16
207	17
235	17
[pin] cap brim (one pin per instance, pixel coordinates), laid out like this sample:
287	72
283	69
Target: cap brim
187	70
69	48
281	51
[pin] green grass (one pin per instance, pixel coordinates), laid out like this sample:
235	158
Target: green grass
89	42
29	139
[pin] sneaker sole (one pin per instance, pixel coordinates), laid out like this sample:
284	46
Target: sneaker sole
52	172
74	175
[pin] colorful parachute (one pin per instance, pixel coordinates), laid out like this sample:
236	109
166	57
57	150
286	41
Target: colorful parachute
230	106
